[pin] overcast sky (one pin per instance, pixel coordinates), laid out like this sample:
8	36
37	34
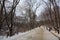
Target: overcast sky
23	5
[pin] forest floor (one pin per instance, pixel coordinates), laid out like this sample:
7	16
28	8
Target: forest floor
39	33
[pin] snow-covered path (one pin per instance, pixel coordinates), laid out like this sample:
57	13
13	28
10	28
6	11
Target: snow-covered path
39	33
32	35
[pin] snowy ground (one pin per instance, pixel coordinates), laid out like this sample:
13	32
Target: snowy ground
55	33
39	33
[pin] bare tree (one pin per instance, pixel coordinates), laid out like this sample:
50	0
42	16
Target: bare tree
9	16
1	12
32	14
